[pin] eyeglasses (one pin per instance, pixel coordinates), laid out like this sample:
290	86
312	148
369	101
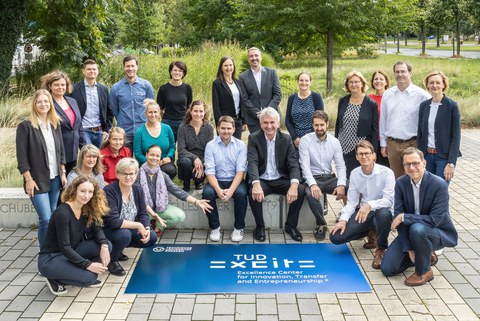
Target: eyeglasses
126	175
354	82
414	164
368	154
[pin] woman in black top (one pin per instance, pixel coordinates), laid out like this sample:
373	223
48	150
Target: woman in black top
67	257
175	96
226	97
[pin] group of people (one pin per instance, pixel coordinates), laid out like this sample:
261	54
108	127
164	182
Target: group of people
112	201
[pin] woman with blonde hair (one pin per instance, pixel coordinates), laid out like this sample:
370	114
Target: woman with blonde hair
113	150
59	85
67	257
88	163
154	132
357	118
41	158
193	135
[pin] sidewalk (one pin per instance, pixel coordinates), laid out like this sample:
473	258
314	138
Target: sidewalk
454	294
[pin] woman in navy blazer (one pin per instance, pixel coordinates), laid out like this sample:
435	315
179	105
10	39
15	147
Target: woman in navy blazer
58	84
438	135
41	158
226	96
357	118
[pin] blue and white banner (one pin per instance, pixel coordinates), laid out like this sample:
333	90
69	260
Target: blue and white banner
249	268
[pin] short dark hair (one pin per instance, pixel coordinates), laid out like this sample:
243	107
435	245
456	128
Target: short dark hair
320	114
364	144
226	119
180	65
413	150
409	67
129	58
89	62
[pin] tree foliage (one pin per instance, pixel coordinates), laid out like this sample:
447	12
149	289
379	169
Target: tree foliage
12	18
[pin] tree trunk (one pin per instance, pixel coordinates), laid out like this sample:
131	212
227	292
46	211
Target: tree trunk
406	35
457	27
422	35
329	61
438	37
398	43
385	40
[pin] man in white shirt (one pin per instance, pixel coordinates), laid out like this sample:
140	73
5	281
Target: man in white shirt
317	151
371	186
399	116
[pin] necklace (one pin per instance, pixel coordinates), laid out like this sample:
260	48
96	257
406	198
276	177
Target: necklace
230	82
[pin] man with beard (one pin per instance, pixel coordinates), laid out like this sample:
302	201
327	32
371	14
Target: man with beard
317	150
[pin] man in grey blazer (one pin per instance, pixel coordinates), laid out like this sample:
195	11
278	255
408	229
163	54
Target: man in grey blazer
92	99
260	88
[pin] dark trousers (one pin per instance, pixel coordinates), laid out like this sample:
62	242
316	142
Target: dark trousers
239	200
174	124
277	186
423	240
327	184
238	128
380	220
185	172
57	267
169	169
122	238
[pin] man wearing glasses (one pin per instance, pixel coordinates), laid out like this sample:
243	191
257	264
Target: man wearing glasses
371	187
422	220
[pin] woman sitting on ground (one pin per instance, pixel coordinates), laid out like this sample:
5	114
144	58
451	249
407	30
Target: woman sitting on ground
66	257
88	163
193	135
156	185
113	150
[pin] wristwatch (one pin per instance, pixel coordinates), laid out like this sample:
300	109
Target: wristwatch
452	165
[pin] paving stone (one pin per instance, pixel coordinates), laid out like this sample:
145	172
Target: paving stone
9	316
10	292
375	312
467	291
142	305
474	280
267	306
119	311
331	312
474	304
246	298
35	309
100	305
77	310
205	298
203	311
271	318
183	306
225	306
287	298
308	306
245	311
466	268
167	298
20	303
50	316
3	305
462	312
223	318
351	307
327	298
87	294
161	311
94	317
60	304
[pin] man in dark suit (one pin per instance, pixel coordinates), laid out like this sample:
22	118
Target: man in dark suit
260	88
92	99
422	219
273	168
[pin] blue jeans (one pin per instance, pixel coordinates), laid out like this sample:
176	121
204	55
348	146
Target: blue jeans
380	220
239	200
94	137
123	237
436	164
423	241
174	124
57	267
45	204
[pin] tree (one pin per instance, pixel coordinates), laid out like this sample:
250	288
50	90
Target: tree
70	30
12	18
143	25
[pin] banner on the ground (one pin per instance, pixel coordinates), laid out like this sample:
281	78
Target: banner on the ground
249	268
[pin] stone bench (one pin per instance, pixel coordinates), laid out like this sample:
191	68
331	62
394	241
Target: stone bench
16	210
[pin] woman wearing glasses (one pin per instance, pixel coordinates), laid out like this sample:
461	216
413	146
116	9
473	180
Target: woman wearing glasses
438	135
127	224
357	119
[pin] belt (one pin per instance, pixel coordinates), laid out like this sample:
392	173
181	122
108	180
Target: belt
432	150
401	141
95	129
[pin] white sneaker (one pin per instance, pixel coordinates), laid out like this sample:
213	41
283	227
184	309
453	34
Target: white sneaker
215	235
237	235
439	252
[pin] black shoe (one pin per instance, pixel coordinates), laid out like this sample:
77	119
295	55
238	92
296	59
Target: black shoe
259	233
123	257
116	269
294	233
199	186
320	232
97	284
56	288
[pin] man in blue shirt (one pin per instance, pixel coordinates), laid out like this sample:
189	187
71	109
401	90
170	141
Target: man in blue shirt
126	99
225	166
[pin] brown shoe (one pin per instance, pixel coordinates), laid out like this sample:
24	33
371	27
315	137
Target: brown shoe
372	240
433	259
377	258
415	279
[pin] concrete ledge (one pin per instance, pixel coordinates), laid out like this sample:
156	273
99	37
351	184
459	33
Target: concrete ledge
16	210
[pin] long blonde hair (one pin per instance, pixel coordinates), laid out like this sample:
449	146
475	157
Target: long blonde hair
52	116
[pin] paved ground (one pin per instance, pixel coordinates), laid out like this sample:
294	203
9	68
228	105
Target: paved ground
453	295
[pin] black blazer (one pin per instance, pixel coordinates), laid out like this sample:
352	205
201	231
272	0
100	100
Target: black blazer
367	121
285	157
222	100
79	94
32	154
73	137
253	101
447	129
